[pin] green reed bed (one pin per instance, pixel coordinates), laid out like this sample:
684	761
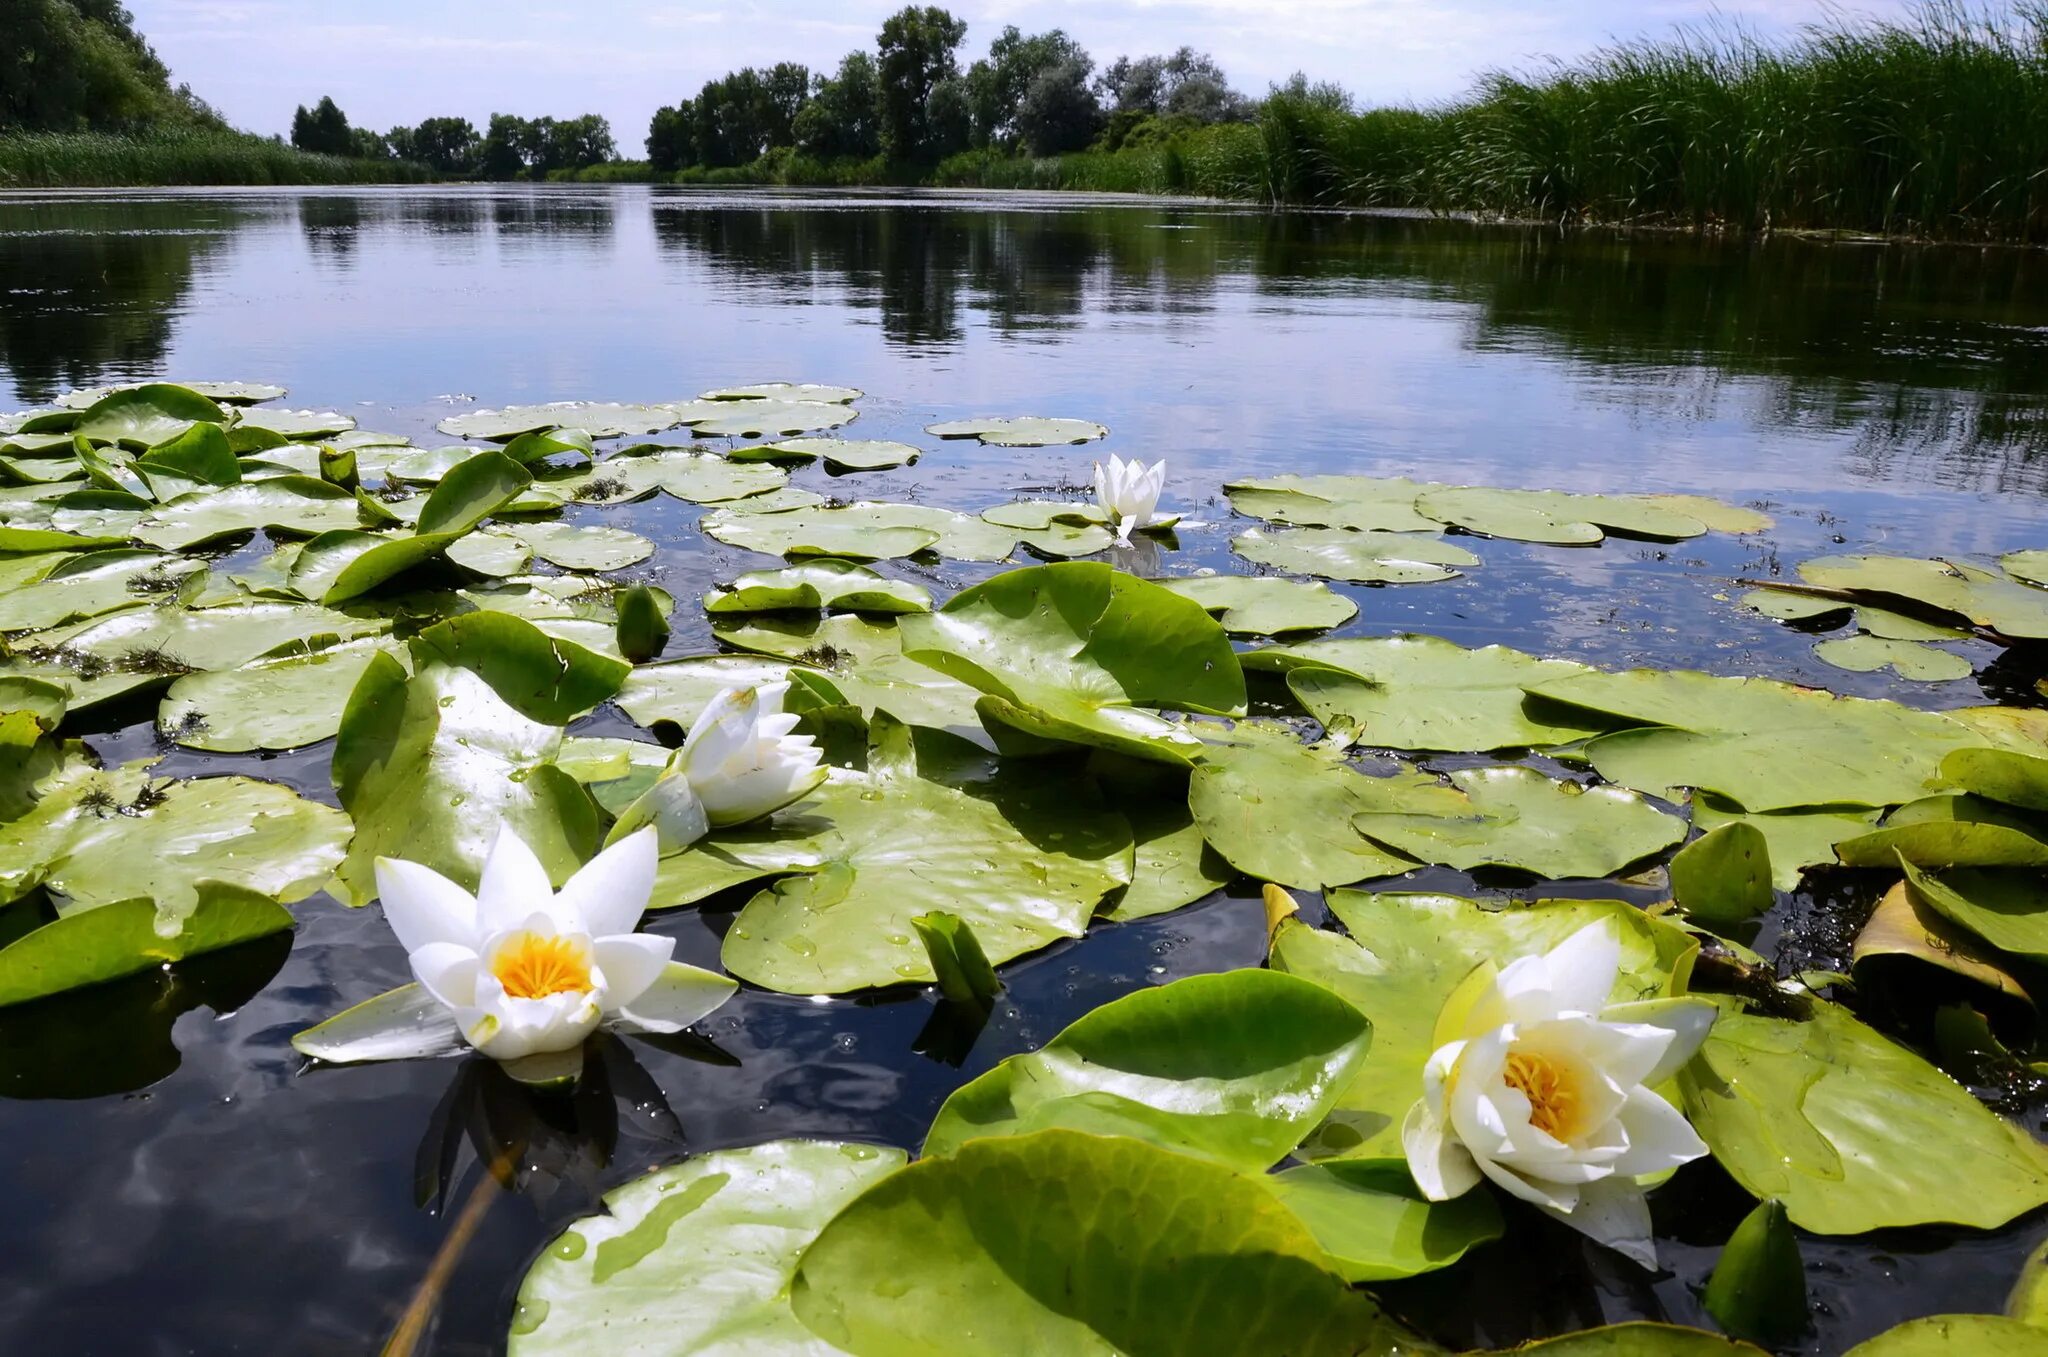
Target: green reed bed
105	160
1934	126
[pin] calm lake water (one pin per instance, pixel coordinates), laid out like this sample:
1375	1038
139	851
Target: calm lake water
198	1192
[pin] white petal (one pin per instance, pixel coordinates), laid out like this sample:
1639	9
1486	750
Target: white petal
679	996
1537	1192
1441	1167
609	893
535	1026
514	885
630	962
1659	1136
449	971
1689	1021
422	906
720	730
1613	1212
1583	968
401	1024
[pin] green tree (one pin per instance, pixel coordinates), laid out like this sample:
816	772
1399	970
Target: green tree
997	84
503	153
1059	112
915	58
671	139
450	146
839	118
70	65
322	129
577	143
367	145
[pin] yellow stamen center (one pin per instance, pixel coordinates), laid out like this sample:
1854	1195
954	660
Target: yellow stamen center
1553	1102
533	966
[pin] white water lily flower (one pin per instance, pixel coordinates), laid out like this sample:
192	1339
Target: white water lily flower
1543	1088
518	971
741	761
1129	492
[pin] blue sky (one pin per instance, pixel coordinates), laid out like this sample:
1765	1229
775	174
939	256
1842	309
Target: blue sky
397	61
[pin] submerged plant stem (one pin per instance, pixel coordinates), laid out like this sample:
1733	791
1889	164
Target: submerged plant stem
411	1329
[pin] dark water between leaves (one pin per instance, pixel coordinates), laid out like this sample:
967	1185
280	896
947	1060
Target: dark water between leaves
171	1179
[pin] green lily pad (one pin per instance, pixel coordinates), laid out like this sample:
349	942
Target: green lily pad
297	423
1555	516
1362	503
1257	605
1174	864
1006	1247
822	583
635	473
1357	557
91	584
1983	598
1423	692
201	453
785	391
1836	1122
838	454
1517	817
2004	775
578	546
1405	956
1376	1225
487	553
2008	909
1907	659
1950	831
280	703
99	838
337	567
299	505
431	766
1762	744
764	418
1636	1339
1955	1336
1724	876
1236	1068
1789	605
1022	853
680	690
1797	839
2031	566
1025	432
1278	810
599	419
865	531
1904	929
142	416
112	940
225	393
695	1258
1074	652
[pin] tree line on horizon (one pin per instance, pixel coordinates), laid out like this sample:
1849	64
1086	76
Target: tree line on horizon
509	147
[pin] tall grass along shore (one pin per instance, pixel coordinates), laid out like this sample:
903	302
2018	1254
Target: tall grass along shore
181	156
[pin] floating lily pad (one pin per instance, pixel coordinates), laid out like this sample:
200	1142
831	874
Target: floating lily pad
1907	659
1955	1336
138	417
1797	839
578	546
1517	817
763	418
297	423
864	532
487	553
431	766
785	391
1005	1247
679	690
1723	878
1405	956
1023	854
2031	566
91	946
1174	865
1075	652
1951	831
90	584
824	583
1376	1225
1025	432
1906	928
1556	517
635	473
1363	503
1358	557
336	567
2005	775
1423	692
298	505
864	661
99	838
1836	1121
1789	605
279	703
599	419
1762	744
224	393
1636	1339
695	1258
838	454
1279	810
1255	605
1983	598
1236	1068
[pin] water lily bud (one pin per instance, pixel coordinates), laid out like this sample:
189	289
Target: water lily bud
742	758
958	961
1129	492
339	468
1758	1290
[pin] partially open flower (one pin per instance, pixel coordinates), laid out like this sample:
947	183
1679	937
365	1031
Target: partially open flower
1129	493
519	971
740	761
1543	1088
